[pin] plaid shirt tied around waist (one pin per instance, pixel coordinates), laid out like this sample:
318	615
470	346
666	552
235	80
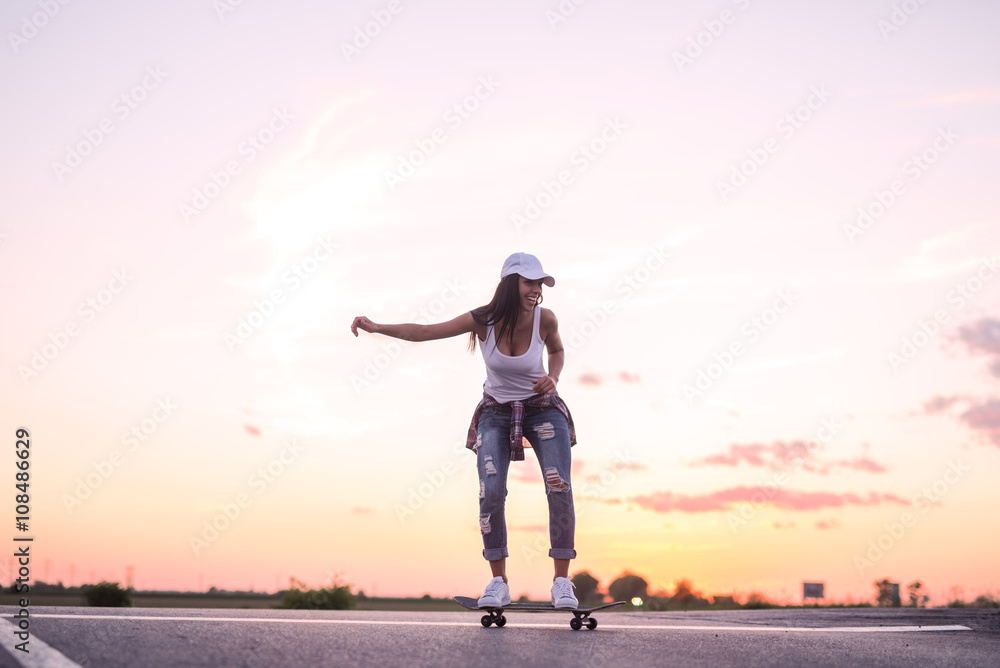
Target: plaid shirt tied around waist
517	407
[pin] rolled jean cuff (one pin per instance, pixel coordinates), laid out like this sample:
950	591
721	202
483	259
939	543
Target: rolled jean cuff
562	553
495	553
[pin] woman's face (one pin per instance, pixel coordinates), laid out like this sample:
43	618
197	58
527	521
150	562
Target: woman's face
530	292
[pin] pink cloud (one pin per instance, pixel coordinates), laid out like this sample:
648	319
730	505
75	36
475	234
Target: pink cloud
627	377
939	404
783	526
780	456
615	468
985	417
359	510
589	379
727	499
252	430
983	335
826	525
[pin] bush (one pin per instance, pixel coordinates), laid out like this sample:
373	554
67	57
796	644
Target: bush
756	601
338	597
107	595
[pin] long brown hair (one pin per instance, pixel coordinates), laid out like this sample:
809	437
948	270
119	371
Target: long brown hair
501	312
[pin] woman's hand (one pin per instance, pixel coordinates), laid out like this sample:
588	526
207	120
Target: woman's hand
362	322
544	385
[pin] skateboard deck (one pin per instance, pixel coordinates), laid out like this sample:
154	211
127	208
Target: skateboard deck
581	615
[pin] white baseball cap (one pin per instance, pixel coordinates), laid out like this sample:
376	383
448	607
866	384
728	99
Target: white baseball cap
528	266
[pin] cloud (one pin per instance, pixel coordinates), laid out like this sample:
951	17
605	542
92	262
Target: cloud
616	468
361	510
627	377
985	417
982	336
939	404
252	430
783	526
727	499
596	379
826	525
779	456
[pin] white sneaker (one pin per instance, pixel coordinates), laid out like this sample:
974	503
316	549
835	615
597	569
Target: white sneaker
497	594
562	594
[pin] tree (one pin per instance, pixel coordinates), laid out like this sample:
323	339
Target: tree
685	596
587	588
627	587
915	591
887	593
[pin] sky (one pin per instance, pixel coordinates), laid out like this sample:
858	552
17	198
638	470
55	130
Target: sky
770	225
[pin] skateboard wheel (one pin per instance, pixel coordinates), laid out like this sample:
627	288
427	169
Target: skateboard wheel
486	621
500	621
591	624
575	624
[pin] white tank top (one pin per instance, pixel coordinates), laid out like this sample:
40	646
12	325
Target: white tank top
509	378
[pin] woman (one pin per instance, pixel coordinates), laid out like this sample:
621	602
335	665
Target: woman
519	398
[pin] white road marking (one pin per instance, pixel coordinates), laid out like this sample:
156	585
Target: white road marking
39	655
632	627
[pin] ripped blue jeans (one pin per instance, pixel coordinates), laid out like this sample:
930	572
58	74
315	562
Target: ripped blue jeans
548	433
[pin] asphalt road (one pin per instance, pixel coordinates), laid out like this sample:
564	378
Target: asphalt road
160	637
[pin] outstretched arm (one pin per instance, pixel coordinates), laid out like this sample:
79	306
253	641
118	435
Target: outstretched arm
410	331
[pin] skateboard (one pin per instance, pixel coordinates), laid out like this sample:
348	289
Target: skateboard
494	615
